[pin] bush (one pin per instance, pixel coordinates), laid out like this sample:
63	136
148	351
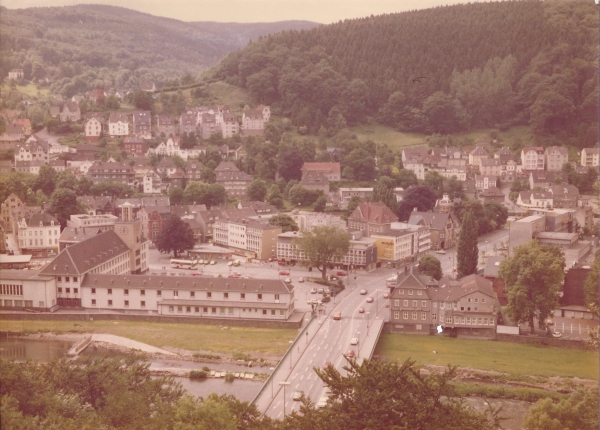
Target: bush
206	369
197	374
229	377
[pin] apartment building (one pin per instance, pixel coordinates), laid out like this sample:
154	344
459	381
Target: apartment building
555	157
38	234
372	217
118	124
532	158
589	157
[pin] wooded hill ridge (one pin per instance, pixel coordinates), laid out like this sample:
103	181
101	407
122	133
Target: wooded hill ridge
440	70
116	44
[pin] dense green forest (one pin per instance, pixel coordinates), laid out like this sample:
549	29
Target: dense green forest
78	47
441	70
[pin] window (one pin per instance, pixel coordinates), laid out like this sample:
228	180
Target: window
59	279
482	300
93	302
423	316
213	310
259	296
414	315
410	292
433	317
469	320
67	279
110	303
272	311
401	292
126	303
396	302
423	303
414	303
469	300
419	292
243	296
74	278
179	309
468	308
405	303
208	295
405	315
110	291
396	315
448	320
175	293
59	289
76	290
264	311
475	308
171	308
188	309
462	308
159	293
480	321
143	304
126	292
142	292
225	295
192	294
476	300
67	290
93	291
197	309
419	327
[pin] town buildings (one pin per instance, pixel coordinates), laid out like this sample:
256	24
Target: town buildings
38	234
372	217
444	227
555	157
589	157
107	171
118	125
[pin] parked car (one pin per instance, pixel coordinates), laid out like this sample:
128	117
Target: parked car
350	353
363	292
320	291
230	263
361	310
322	402
337	315
236	263
271	259
556	334
297	395
314	290
196	274
213	262
233	275
287	281
341	273
386	296
300	279
354	341
369	299
284	273
440	251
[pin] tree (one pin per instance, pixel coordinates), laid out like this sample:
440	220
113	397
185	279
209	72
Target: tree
421	197
532	276
496	214
467	253
578	411
63	204
454	188
198	193
46	180
406	178
352	205
175	236
176	196
590	288
323	245
274	197
429	265
290	166
257	190
435	181
143	100
384	192
380	394
320	204
284	221
362	164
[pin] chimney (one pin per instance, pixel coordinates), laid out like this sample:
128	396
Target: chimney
415	209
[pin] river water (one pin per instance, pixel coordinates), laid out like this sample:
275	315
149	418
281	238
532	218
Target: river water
48	350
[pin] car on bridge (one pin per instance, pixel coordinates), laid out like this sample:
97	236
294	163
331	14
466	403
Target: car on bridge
284	273
354	341
361	310
363	292
297	395
337	315
350	353
369	299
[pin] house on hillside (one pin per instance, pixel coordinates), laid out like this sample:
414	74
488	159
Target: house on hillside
70	112
372	217
532	158
118	124
93	130
142	124
444	227
555	157
16	74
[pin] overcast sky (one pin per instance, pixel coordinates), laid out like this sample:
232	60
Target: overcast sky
324	11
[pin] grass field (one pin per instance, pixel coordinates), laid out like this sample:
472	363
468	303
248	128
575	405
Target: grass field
234	340
30	90
394	139
511	358
234	97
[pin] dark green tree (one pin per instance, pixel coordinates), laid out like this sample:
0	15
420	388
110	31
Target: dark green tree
384	192
142	100
421	197
175	236
352	205
435	181
257	190
320	204
290	166
578	411
405	178
274	197
323	245
429	265
284	221
63	204
176	196
533	276
467	253
46	180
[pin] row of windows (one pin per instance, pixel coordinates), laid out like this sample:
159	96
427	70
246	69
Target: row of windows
11	289
222	311
67	279
470	321
413	314
209	294
410	292
68	290
20	303
415	303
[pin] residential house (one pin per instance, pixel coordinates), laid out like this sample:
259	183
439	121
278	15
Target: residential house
492	194
266	112
34	151
93	130
38	234
118	124
564	196
142	124
331	170
153	183
134	146
589	157
165	124
229	125
8	206
87	151
572	302
70	112
58	165
483	182
97	205
148	86
532	158
207	219
106	171
166	167
32	167
189	296
409	153
396	246
417	166
25	125
177	179
187	123
253	122
193	170
16	74
444	227
490	167
555	157
476	155
315	181
372	217
138	203
262	210
152	219
411	309
346	194
446	167
234	181
535	199
545	179
72	235
208	125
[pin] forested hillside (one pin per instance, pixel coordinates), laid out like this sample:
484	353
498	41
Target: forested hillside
440	70
78	47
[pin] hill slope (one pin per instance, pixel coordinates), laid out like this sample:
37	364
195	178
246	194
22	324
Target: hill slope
115	43
439	70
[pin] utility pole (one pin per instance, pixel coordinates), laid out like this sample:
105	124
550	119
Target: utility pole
284	383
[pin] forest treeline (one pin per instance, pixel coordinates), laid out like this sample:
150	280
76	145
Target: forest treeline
441	70
80	47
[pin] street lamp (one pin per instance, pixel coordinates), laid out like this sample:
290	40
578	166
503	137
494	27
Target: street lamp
284	383
291	350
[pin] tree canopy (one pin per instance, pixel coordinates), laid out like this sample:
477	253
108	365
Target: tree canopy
285	222
467	253
421	197
578	411
175	236
323	245
533	275
429	265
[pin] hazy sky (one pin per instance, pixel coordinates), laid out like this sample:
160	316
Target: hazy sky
324	11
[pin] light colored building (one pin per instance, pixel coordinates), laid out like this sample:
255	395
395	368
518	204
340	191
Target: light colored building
102	222
118	124
189	296
555	157
229	125
346	194
417	166
444	228
93	129
142	124
107	171
331	171
32	151
16	74
535	199
308	220
483	182
396	246
26	290
233	180
476	155
372	217
490	167
38	234
247	237
153	183
589	157
532	158
70	112
523	230
253	122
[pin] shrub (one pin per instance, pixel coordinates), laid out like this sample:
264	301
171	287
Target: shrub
197	374
229	377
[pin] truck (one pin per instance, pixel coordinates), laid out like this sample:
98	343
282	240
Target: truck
337	315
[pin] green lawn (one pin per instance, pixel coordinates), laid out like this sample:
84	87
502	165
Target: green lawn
511	358
30	90
191	337
234	97
394	139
